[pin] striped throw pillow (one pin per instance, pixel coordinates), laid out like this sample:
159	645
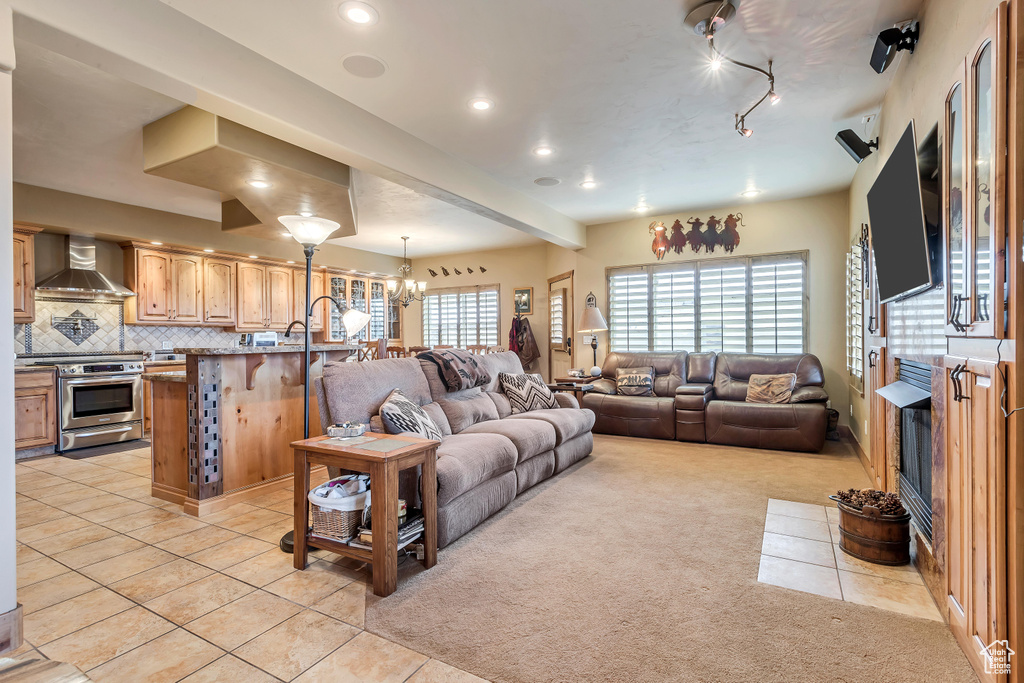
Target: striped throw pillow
526	392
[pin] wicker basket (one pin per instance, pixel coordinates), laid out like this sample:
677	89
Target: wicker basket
336	518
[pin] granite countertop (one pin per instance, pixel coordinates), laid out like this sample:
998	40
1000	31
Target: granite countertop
165	376
242	350
157	363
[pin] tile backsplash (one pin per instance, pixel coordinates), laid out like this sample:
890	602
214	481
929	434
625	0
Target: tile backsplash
97	326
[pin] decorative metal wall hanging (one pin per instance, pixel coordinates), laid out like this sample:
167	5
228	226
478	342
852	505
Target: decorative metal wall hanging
433	273
445	271
678	239
730	237
660	244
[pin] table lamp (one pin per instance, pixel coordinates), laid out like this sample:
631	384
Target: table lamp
592	322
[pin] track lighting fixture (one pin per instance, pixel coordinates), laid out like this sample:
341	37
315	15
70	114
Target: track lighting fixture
706	20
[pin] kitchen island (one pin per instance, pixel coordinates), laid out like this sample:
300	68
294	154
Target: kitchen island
221	430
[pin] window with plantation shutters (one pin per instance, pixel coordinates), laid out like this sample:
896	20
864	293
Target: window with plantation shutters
557	323
461	316
756	304
629	310
855	314
675	309
777	304
723	306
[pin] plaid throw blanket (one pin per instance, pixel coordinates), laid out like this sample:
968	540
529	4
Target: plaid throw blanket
457	368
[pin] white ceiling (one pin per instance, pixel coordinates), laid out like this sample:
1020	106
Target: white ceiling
79	129
619	89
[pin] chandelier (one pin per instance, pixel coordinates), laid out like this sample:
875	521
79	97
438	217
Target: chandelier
403	291
705	21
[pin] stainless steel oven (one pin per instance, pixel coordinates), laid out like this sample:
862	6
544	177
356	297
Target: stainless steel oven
100	402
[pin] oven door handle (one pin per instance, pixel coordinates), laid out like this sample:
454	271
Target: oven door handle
107	431
118	379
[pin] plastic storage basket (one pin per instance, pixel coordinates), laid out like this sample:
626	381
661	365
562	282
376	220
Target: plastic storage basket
337	518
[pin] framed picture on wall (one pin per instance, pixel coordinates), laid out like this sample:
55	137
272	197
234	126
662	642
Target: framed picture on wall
523	297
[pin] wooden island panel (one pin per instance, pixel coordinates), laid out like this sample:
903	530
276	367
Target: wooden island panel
216	441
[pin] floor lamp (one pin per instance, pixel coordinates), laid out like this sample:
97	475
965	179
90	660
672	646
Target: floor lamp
593	322
310	232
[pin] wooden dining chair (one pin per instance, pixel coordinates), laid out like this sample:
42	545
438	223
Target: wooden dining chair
496	349
443	346
477	348
414	350
366	352
380	349
396	352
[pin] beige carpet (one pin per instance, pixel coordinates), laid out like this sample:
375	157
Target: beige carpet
640	564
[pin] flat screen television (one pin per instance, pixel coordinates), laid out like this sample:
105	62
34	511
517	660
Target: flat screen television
905	256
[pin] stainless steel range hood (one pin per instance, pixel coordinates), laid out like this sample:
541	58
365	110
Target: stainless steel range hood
80	275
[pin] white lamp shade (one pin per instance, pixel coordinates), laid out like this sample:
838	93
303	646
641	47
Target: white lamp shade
354	321
592	321
309	231
422	284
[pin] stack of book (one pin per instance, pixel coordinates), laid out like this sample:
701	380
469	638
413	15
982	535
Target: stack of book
409	529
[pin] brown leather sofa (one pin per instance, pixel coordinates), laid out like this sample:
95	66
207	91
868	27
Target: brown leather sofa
795	426
701	397
649	416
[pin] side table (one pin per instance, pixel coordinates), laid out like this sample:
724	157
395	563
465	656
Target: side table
576	390
381	456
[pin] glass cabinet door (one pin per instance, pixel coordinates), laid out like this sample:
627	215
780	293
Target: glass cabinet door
985	204
378	310
953	210
337	288
358	301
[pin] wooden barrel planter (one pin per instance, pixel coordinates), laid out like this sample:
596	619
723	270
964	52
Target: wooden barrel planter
873	537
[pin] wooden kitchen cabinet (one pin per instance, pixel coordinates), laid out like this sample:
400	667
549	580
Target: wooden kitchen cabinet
35	408
24	274
976	590
280	297
168	287
317	286
219	291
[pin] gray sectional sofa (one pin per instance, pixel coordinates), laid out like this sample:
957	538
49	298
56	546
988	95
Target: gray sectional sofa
487	455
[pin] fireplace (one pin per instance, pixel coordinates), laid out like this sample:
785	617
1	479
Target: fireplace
915	439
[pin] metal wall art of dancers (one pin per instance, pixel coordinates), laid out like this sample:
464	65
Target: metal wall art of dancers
717	233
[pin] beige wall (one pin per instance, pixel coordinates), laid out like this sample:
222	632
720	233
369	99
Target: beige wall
508	268
63	212
817	224
949	28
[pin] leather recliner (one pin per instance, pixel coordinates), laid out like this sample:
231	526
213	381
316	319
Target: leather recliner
648	416
795	426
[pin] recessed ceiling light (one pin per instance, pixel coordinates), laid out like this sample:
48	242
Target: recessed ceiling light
750	193
547	181
306	214
481	104
588	184
642	207
291	261
358	13
208	251
156	243
253	256
543	151
259	184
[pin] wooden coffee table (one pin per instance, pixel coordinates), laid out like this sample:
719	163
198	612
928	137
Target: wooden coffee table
383	465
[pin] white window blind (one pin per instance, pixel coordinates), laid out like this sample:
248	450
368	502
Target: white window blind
855	313
628	310
675	309
777	305
462	316
756	304
556	306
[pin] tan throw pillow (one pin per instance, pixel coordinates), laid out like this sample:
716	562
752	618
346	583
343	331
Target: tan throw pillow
770	388
634	381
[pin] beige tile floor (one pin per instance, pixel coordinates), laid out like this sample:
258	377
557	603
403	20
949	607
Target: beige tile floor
128	588
800	550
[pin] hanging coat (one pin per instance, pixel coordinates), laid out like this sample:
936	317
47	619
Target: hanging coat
521	341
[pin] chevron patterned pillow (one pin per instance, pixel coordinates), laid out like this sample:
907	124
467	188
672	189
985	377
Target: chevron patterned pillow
526	392
399	414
